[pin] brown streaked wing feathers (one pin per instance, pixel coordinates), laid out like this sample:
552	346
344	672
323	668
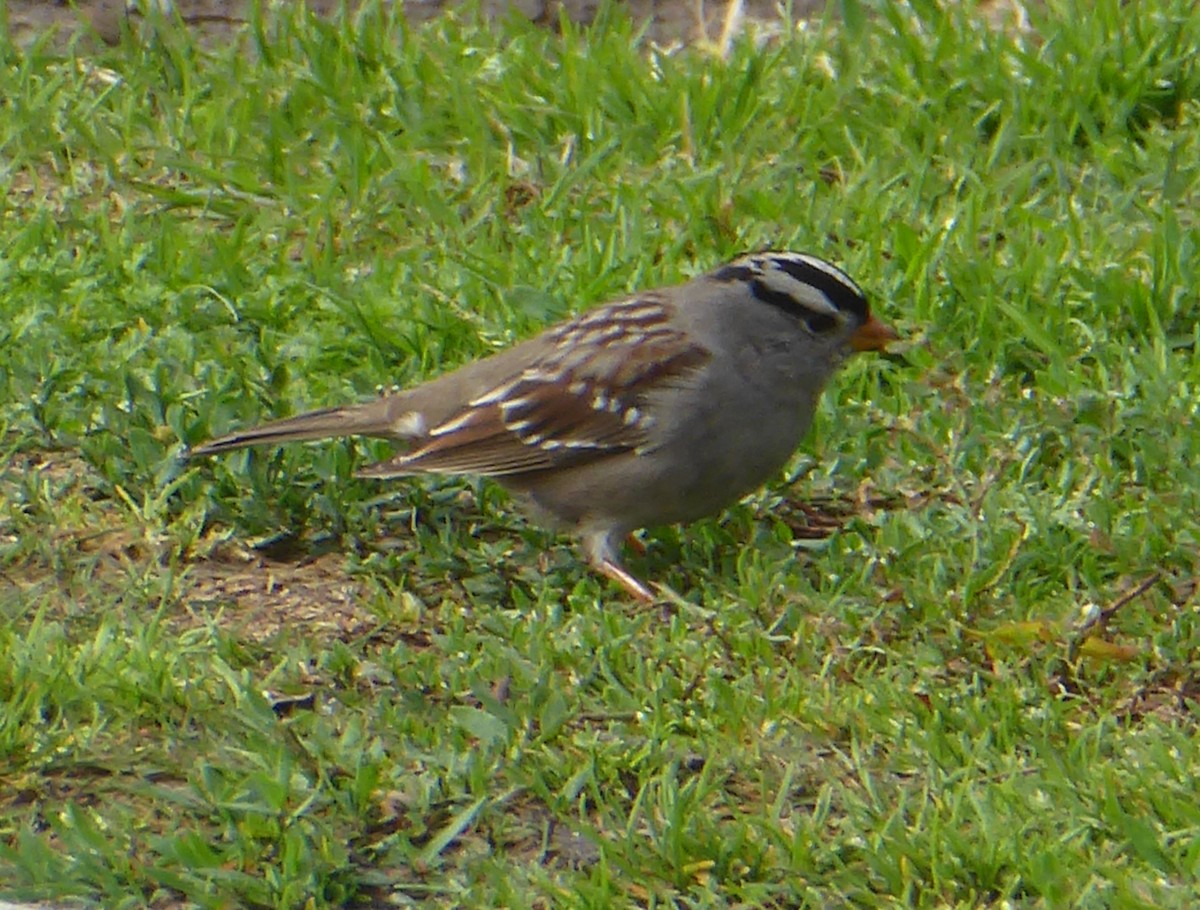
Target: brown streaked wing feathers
568	408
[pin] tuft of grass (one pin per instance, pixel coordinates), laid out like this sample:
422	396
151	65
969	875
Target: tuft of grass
907	673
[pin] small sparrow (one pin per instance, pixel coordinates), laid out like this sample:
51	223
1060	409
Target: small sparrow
662	407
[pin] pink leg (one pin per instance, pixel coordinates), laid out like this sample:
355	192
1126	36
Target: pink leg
621	576
601	556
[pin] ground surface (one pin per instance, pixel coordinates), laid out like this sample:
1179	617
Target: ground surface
666	20
683	20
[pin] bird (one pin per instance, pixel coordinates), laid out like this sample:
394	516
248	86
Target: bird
658	408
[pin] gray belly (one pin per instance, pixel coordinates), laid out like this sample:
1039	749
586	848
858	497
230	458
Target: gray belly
695	469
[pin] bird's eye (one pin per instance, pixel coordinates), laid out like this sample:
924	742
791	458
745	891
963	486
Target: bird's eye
821	323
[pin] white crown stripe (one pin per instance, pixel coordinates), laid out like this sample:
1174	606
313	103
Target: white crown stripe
798	282
769	262
800	291
828	268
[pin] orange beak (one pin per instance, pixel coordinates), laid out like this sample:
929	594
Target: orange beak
873	335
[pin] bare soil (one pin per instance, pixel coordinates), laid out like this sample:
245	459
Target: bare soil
667	20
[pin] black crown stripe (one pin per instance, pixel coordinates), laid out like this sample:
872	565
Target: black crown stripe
841	293
818	323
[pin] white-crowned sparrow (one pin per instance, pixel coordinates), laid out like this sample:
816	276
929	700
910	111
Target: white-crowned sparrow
658	408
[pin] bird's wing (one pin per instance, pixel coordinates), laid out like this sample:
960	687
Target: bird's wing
586	398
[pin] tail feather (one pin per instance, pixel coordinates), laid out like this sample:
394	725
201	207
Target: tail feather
373	419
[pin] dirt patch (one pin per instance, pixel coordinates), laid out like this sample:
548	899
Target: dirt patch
686	21
258	600
96	547
666	21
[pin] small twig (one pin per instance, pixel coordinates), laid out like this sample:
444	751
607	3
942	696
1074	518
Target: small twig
1109	612
1099	619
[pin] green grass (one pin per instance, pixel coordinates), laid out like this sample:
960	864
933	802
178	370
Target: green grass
922	708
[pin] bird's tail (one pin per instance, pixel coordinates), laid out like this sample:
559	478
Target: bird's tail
371	419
